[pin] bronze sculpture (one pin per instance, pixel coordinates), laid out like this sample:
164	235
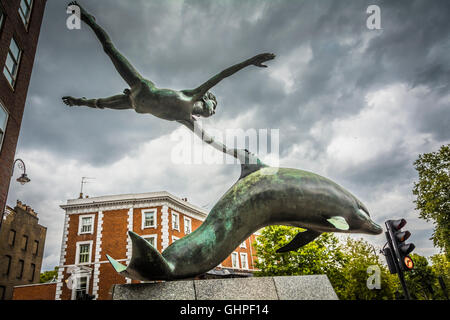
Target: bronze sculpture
288	197
144	97
260	197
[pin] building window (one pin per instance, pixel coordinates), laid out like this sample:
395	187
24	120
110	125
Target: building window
24	243
175	221
35	247
81	288
8	265
83	254
243	245
234	260
25	11
86	224
3	123
33	269
2	17
244	261
151	239
175	239
20	270
12	237
12	62
149	218
187	225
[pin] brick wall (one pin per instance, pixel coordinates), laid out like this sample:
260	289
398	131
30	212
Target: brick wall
45	291
13	99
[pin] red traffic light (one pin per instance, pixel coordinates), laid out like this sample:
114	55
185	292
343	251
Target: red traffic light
408	262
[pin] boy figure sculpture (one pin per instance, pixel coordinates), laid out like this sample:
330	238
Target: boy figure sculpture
144	97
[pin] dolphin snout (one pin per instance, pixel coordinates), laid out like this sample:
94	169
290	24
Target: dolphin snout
374	228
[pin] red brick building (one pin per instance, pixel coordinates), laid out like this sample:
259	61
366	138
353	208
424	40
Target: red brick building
98	226
20	25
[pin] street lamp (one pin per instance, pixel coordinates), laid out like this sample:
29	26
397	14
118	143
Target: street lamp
22	180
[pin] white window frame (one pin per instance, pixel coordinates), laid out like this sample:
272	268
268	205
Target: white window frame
16	61
175	239
152	236
3	125
237	260
155	215
77	255
187	221
244	257
2	17
243	245
77	283
177	215
26	16
80	227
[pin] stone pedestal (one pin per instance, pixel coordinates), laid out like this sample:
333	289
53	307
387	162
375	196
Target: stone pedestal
316	287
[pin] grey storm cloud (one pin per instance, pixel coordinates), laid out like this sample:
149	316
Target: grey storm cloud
328	63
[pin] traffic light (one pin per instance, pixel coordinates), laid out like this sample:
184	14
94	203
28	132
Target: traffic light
396	239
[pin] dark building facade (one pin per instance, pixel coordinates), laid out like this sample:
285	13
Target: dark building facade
22	242
20	24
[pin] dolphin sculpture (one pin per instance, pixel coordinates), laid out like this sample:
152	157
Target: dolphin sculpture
262	196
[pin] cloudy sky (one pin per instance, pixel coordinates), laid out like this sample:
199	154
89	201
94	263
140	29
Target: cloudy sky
352	104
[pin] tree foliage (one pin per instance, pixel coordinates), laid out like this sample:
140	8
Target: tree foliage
346	264
432	193
48	276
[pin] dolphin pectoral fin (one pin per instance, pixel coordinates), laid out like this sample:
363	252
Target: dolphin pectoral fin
339	223
116	265
301	239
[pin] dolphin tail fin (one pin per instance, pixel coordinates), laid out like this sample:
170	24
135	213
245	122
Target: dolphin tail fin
146	262
301	239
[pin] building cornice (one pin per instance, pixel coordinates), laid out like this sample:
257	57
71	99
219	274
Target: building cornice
125	201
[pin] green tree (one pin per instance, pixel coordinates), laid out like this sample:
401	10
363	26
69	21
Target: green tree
345	264
421	280
432	193
318	257
48	275
441	268
352	285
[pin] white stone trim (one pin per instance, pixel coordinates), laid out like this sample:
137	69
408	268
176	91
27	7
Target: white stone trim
62	257
98	249
130	228
175	239
243	244
117	202
164	227
80	218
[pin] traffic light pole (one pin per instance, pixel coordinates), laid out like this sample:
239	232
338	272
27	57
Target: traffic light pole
397	266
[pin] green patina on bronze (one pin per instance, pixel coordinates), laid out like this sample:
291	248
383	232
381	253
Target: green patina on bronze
282	196
262	195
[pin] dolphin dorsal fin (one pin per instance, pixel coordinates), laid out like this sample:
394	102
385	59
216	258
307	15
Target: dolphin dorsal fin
249	162
301	239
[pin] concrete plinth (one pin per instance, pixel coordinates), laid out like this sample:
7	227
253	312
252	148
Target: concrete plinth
316	287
